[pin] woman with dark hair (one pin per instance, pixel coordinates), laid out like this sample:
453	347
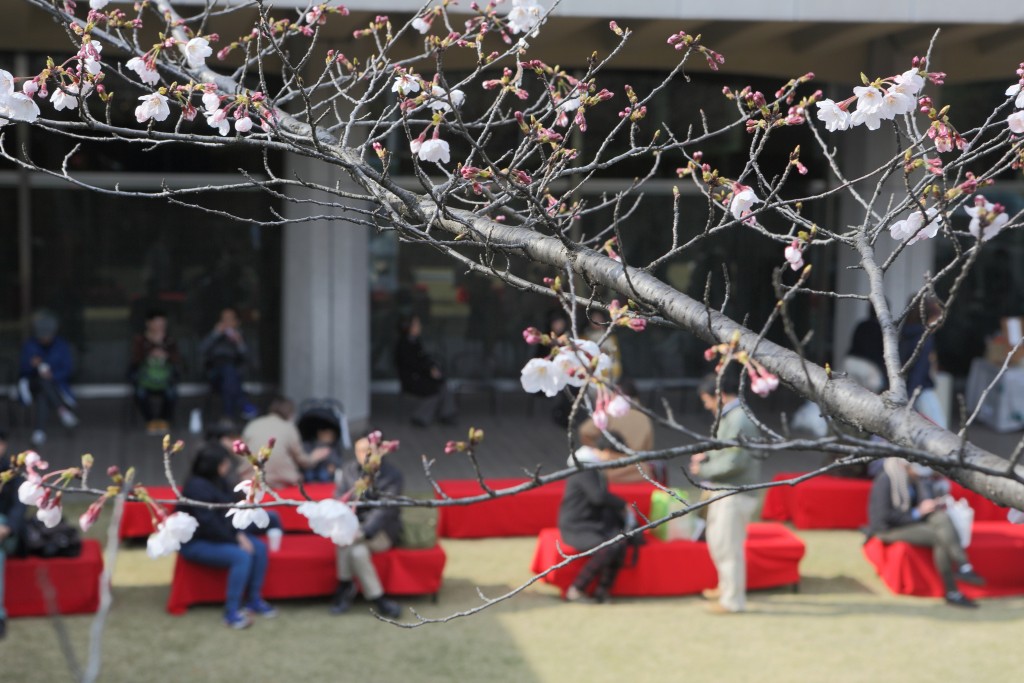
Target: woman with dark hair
217	543
421	376
590	515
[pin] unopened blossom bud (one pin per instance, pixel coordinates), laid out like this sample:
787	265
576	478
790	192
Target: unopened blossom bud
476	436
87	461
374	437
600	418
240	447
710	353
113	471
532	335
615	28
89	517
638	324
454	447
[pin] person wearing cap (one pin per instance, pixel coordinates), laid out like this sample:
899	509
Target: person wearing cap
723	469
903	506
12	521
45	375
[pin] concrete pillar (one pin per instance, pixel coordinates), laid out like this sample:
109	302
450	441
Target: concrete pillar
325	340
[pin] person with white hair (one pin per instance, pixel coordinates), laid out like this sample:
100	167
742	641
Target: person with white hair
903	506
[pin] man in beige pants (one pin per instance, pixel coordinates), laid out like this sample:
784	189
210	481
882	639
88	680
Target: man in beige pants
379	529
724	468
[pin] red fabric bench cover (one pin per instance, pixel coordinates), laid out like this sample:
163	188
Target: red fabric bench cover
136	521
984	509
683	567
824	502
305	567
524	514
75	580
996	551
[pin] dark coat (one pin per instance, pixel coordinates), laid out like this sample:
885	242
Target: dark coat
57	354
920	373
11	507
387	484
589	514
219	348
882	514
414	366
214	525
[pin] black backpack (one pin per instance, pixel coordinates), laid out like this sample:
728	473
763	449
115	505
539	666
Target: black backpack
60	541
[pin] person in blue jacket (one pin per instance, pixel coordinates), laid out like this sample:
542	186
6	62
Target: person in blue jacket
45	375
218	543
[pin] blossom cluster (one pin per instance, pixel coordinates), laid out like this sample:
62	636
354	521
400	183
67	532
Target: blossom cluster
876	101
1016	120
572	364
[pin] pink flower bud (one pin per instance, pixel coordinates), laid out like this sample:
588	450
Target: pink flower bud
453	447
710	353
240	447
638	324
600	419
532	335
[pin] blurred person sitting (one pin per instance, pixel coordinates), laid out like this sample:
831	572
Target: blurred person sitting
590	515
12	521
288	461
421	376
380	528
45	375
225	355
154	370
638	431
218	543
905	506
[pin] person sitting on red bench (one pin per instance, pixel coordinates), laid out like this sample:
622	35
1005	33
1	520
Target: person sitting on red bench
590	515
903	507
379	529
219	544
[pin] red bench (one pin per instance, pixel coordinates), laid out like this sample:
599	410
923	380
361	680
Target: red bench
683	567
75	582
305	567
824	502
524	514
136	522
996	551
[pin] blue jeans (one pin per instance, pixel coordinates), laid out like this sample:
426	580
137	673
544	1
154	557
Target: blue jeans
245	572
226	380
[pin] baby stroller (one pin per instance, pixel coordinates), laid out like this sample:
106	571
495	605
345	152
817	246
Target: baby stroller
316	415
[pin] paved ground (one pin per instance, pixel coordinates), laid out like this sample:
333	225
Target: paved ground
520	436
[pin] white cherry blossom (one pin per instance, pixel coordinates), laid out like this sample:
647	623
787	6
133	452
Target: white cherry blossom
1016	122
196	52
896	103
211	101
50	515
92	62
832	116
743	198
421	24
331	519
178	528
909	83
1016	91
19	107
243	125
64	100
243	518
6	84
541	374
524	16
618	406
405	84
31	492
154	106
98	4
218	118
990	230
794	255
440	103
913	227
434	149
146	74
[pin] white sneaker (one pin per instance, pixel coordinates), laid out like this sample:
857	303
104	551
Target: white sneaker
38	437
67	418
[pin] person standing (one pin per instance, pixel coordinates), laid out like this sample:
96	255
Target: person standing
724	468
421	376
154	369
45	375
379	529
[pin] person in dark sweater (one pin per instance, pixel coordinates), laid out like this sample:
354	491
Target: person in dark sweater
588	516
219	544
225	355
12	521
903	507
380	528
920	375
421	376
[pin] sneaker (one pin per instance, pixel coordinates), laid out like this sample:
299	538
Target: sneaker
67	418
574	594
388	608
237	620
958	599
968	576
262	608
720	609
343	599
712	594
38	437
3	629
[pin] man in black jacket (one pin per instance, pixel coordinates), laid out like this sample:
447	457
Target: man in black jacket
12	520
903	507
379	529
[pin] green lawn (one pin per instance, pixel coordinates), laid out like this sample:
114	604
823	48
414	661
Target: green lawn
842	626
